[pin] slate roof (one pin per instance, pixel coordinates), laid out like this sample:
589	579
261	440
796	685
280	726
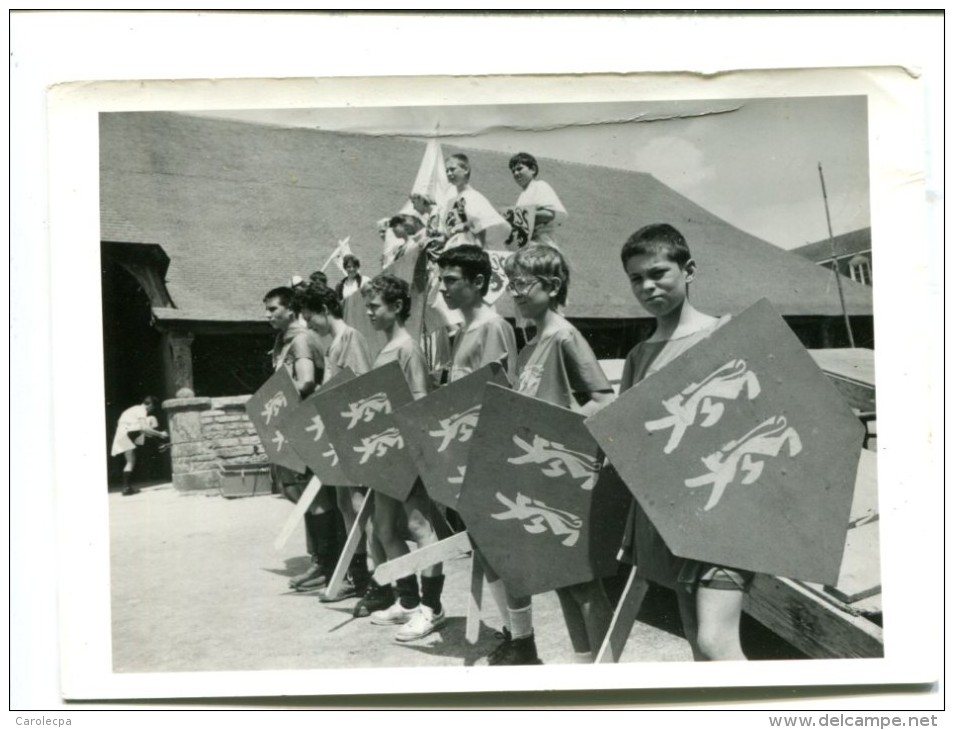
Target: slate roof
846	245
240	208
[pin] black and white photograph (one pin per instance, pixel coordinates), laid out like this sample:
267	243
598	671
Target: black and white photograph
508	383
235	244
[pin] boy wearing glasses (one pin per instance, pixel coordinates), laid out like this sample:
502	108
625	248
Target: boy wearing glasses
557	366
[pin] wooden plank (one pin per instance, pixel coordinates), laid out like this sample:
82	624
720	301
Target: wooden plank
452	547
860	575
301	506
351	544
845	362
474	601
623	619
817	627
864	504
852	373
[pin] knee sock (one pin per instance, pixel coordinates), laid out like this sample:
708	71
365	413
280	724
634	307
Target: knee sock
521	622
499	593
407	591
431	588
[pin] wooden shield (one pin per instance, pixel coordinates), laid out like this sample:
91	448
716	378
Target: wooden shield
741	451
359	419
438	431
535	498
306	432
266	409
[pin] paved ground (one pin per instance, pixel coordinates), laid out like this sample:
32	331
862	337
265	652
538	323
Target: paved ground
198	586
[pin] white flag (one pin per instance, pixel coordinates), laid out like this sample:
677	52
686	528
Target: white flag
431	178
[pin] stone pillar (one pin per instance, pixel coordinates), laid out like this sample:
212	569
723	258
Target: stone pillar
195	464
180	359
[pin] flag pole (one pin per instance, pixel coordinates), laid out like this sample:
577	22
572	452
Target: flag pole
834	261
334	253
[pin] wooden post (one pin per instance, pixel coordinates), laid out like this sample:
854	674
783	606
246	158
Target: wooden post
623	619
351	544
475	600
834	260
304	502
439	552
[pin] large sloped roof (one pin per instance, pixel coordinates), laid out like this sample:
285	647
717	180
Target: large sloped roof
846	244
240	208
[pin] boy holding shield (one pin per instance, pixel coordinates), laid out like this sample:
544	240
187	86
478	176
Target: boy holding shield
419	610
321	309
659	266
557	366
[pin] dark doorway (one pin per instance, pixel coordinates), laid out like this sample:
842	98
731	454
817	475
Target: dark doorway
132	365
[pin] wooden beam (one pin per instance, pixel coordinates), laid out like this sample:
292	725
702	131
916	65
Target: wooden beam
819	628
304	502
623	619
474	601
351	544
452	547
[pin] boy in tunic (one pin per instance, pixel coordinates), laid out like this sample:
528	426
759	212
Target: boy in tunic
557	366
321	309
535	194
299	350
419	611
659	266
470	218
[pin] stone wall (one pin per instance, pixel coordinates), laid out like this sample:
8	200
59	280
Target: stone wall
207	434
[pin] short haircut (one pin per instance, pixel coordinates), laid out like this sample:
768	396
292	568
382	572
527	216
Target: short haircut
393	291
472	260
351	259
541	260
409	221
425	198
151	401
657	238
525	158
284	294
318	276
318	298
462	158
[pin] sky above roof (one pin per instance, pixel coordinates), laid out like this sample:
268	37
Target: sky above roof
753	162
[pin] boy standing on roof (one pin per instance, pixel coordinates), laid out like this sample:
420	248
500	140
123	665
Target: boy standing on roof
659	266
298	349
470	218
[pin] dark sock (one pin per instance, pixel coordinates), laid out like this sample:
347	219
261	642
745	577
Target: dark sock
126	475
407	591
323	537
431	588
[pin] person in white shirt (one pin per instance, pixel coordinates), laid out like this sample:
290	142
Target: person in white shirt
536	198
470	218
134	425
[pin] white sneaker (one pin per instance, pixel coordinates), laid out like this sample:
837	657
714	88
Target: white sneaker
396	614
421	624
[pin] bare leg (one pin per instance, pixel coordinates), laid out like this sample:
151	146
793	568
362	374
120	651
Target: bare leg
418	511
389	522
711	621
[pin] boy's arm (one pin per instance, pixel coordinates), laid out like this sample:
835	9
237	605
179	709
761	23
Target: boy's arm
597	401
304	376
